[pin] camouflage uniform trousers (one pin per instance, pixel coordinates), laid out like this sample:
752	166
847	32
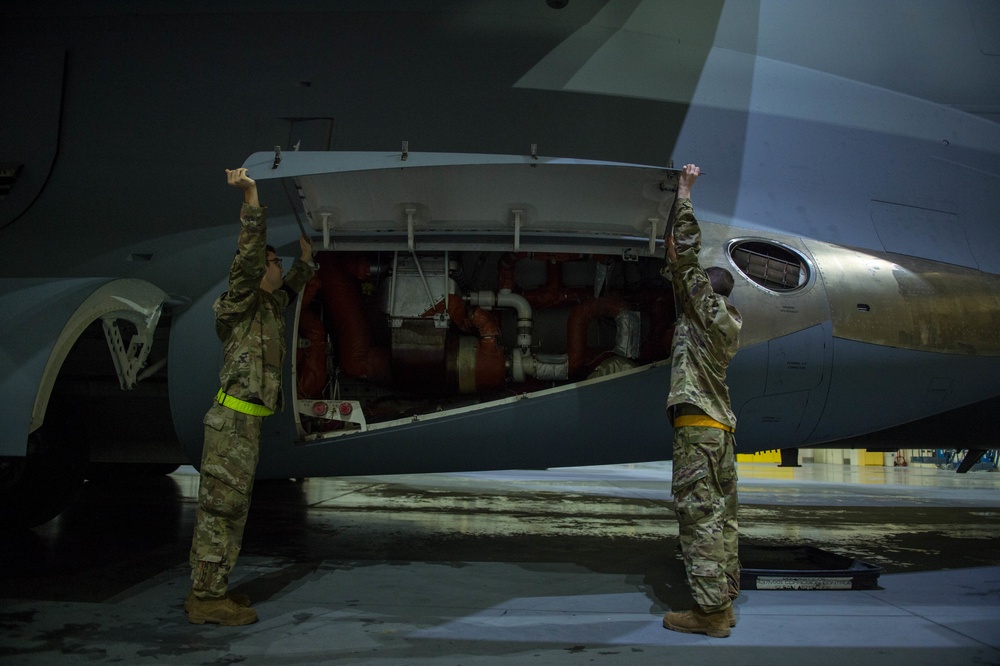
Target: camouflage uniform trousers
705	500
228	464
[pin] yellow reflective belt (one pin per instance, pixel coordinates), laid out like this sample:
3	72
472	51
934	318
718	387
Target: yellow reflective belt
699	420
242	406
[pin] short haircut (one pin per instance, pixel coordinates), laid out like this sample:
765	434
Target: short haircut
721	279
267	248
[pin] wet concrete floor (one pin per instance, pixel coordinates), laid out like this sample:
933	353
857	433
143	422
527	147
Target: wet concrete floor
435	569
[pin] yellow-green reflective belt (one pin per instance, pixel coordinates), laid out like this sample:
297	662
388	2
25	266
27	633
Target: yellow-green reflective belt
699	420
242	406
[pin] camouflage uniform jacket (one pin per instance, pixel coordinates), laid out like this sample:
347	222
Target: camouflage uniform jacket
250	321
707	333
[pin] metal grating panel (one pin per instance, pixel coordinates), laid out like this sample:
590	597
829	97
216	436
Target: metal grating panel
770	269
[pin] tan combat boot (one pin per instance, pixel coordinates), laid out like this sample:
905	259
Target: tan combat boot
222	611
695	621
240	599
731	616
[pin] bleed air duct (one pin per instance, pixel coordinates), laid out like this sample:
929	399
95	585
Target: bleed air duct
358	354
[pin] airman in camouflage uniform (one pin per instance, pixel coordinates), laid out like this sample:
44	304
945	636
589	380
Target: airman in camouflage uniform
249	319
704	459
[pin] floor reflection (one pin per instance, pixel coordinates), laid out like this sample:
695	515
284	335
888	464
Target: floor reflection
611	518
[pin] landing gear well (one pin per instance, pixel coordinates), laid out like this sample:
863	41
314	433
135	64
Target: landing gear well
36	488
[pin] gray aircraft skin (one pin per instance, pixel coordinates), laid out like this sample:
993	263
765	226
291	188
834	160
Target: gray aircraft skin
852	147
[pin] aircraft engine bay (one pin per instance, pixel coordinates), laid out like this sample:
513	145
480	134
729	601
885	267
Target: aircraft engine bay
385	336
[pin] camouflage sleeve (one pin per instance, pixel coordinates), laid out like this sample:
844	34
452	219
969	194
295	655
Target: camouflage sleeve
687	234
692	287
298	275
247	268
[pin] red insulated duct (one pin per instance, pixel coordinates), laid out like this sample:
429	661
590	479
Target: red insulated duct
576	330
311	360
358	354
505	271
490	371
553	294
490	363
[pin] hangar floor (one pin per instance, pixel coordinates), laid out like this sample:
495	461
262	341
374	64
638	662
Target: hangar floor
566	566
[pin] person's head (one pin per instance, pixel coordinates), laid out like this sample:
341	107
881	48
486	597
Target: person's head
272	279
721	279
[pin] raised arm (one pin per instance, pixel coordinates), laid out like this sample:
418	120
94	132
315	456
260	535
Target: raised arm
248	265
685	236
239	179
689	174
